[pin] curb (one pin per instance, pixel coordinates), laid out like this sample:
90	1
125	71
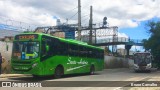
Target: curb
11	75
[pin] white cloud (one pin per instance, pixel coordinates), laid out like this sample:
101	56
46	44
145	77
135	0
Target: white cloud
137	48
29	15
124	38
122	35
122	23
120	13
133	48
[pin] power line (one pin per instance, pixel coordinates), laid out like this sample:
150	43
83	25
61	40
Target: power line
71	10
10	19
85	15
19	25
85	19
73	15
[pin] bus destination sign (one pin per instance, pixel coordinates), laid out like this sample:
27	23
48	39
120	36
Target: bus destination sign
26	37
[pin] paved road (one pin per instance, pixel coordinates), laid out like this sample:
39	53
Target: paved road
105	75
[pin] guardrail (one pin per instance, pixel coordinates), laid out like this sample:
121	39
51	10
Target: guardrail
119	39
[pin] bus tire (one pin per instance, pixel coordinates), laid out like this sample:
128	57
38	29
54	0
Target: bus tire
58	72
149	71
92	70
136	71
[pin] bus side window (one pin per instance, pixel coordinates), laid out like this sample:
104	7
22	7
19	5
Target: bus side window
54	46
102	54
62	48
46	43
73	50
89	55
82	51
98	54
43	48
47	49
85	51
93	55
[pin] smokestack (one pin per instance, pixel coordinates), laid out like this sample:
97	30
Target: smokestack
58	22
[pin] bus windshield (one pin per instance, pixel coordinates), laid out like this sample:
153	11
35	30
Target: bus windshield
142	57
25	50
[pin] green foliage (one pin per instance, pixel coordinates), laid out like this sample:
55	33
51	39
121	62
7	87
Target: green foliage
153	43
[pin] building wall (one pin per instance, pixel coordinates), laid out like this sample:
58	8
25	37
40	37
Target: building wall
59	34
6	67
124	52
117	62
6	54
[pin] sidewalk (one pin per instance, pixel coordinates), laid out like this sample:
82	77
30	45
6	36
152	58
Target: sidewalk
12	75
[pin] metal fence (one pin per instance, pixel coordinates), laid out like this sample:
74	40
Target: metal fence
119	39
108	40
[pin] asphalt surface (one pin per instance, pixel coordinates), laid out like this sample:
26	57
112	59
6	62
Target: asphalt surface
108	79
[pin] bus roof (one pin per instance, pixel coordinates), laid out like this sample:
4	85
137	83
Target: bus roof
76	42
72	41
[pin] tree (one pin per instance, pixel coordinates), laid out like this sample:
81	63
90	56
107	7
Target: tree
153	43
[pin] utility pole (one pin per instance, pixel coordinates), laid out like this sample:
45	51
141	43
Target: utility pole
90	26
115	39
79	20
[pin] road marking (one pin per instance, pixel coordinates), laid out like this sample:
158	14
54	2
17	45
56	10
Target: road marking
135	79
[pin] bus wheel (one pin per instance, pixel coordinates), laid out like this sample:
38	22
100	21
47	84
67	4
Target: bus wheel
92	70
136	71
149	71
58	72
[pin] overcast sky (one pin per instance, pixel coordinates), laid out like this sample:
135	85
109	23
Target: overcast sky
121	13
128	15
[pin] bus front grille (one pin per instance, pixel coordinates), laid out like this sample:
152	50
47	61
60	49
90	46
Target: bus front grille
21	62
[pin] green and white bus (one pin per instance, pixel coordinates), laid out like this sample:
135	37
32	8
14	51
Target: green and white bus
41	54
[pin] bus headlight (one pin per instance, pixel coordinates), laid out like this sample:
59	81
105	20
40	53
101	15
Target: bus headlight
136	66
35	64
149	65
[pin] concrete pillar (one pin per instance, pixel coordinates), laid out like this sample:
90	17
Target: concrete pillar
128	47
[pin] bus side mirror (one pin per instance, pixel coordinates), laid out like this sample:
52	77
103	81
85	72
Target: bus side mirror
7	47
47	48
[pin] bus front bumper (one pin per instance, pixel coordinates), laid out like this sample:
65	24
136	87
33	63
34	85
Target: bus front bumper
27	70
142	68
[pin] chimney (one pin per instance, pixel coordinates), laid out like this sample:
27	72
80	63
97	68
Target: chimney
58	22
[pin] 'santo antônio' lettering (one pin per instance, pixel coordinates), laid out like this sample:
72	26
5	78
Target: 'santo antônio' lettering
70	61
